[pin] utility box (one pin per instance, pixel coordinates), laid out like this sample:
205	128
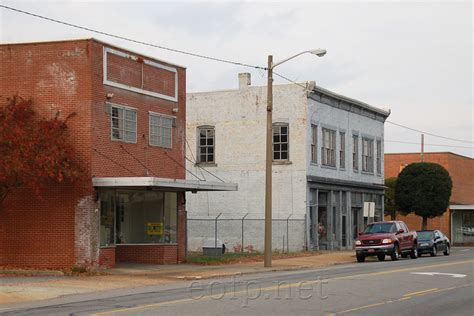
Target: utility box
211	248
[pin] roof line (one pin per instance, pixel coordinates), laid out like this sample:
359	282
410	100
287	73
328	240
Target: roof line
94	40
351	100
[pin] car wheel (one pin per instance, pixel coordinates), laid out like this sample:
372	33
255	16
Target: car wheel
381	257
447	251
395	253
414	252
434	251
360	258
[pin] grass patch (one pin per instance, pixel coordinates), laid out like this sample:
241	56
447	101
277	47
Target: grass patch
199	258
237	257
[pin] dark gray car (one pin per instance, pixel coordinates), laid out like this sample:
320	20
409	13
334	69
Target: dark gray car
432	242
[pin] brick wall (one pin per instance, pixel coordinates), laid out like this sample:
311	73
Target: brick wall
60	230
107	257
158	254
39	232
124	158
461	170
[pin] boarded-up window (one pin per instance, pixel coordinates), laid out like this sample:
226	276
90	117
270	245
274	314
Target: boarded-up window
145	76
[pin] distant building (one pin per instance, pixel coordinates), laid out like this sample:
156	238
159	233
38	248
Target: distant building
458	221
327	161
128	135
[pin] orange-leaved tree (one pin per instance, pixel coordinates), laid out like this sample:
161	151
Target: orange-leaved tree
34	151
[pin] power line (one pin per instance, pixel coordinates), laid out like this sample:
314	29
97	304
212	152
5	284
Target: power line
400	125
112	160
192	155
133	40
139	161
179	164
431	134
287	79
413	143
201	168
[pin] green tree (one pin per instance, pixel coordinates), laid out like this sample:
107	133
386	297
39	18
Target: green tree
391	207
423	188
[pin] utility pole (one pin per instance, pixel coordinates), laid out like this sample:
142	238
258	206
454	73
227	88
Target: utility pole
268	168
267	258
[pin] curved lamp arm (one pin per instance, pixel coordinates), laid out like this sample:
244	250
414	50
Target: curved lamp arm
318	52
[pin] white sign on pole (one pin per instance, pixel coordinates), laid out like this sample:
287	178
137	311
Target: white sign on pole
369	209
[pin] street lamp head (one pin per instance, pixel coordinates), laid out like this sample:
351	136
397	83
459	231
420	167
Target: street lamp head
318	52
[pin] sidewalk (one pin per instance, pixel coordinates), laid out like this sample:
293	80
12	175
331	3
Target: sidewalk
14	288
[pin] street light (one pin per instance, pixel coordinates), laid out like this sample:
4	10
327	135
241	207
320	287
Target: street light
268	167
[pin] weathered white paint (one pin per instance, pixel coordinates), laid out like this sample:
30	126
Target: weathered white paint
239	119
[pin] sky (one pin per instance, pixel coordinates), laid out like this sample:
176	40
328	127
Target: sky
414	58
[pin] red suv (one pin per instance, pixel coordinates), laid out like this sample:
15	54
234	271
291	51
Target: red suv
390	238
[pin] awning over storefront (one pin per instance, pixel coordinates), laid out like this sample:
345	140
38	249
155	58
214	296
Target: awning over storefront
162	183
461	207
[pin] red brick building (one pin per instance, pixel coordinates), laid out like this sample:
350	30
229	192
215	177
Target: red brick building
458	221
129	137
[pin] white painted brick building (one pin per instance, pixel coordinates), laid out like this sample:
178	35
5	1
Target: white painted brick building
318	188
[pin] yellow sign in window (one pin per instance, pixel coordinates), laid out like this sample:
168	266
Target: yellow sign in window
154	228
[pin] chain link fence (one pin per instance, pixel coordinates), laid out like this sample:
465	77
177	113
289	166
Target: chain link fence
245	233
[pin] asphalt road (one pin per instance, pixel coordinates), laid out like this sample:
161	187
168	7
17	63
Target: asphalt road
442	285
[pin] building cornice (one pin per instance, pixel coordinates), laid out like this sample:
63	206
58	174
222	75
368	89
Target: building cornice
333	99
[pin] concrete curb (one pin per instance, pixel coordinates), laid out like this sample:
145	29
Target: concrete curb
19	272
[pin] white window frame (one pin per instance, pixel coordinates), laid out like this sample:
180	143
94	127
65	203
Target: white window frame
161	127
198	143
328	147
279	125
123	108
148	62
367	155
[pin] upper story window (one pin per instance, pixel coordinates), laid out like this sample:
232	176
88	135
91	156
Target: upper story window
123	123
328	149
379	157
314	143
280	142
342	150
206	144
367	155
355	152
160	130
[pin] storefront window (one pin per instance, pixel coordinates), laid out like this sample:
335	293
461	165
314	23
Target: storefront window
107	218
463	227
322	217
138	217
146	217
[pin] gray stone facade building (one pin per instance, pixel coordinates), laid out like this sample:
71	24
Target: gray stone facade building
327	163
